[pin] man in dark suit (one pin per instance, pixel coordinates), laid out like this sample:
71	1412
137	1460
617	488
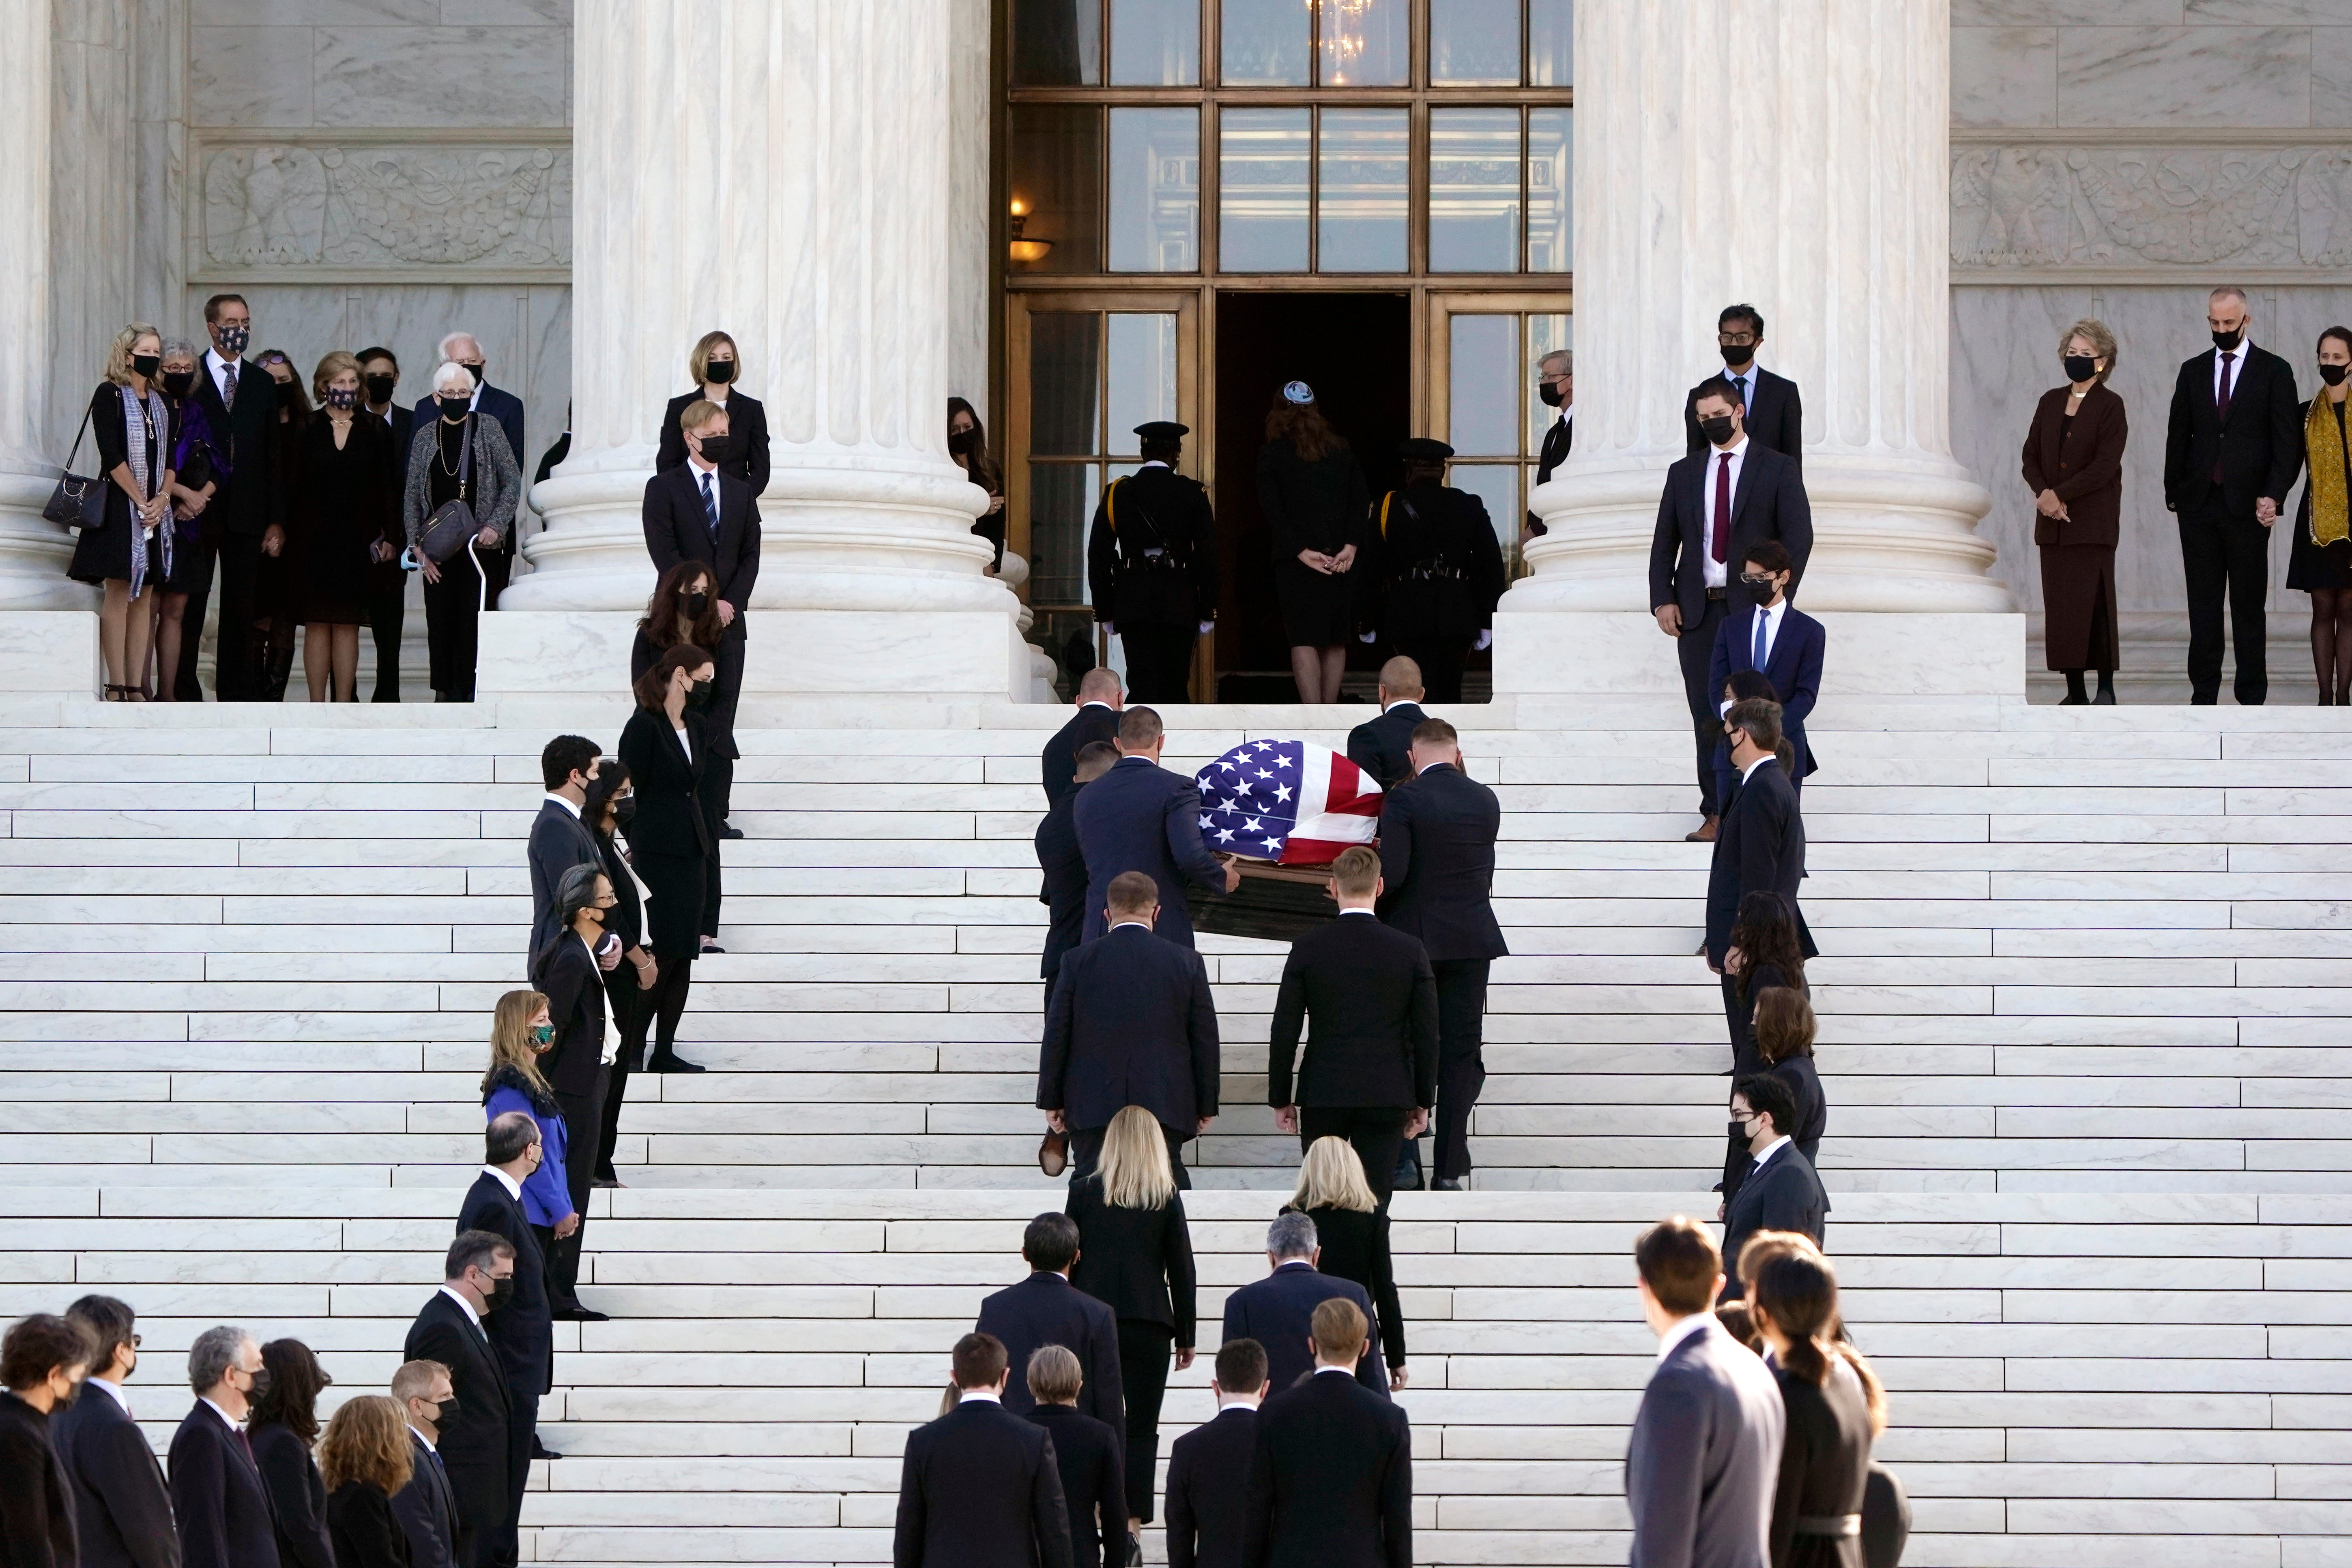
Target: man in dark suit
1047	1310
1716	504
1777	640
1365	994
43	1359
1556	384
1705	1456
426	1507
1776	415
1763	840
1151	566
1331	1479
1140	817
1208	1467
498	564
1782	1190
1437	860
1099	702
121	1506
700	513
1131	1022
222	1510
522	1330
477	1449
387	583
244	516
559	838
977	1486
2232	451
1382	747
1278	1310
1065	865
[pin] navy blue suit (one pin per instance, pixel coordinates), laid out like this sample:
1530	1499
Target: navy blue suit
1278	1312
1141	817
1794	668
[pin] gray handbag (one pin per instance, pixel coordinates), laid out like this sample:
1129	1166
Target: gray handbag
452	522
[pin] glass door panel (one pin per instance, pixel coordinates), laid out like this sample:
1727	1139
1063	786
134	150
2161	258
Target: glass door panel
1484	399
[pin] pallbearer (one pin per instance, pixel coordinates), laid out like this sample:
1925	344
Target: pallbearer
1151	563
1440	569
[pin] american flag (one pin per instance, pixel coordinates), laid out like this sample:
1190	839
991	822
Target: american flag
1287	801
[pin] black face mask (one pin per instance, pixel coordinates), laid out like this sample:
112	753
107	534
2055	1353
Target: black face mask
2079	368
2227	342
720	371
2333	374
379	387
715	449
1551	393
342	397
480	373
260	1388
180	383
501	1293
1716	429
454	407
445	1414
1736	354
147	364
698	695
694	603
1739	1132
286	393
624	809
961	442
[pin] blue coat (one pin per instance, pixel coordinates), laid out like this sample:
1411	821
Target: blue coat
1141	817
1793	667
545	1196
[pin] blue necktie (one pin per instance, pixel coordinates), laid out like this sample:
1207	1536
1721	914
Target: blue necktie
1741	382
709	507
1760	641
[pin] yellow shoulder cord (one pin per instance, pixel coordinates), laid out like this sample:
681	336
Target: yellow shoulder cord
1384	513
1111	506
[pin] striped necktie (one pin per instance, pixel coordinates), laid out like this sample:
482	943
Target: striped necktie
709	507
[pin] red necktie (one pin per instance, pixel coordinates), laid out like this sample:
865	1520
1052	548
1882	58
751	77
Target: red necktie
1722	542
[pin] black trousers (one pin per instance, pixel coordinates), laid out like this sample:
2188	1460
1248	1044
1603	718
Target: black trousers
727	692
453	628
718	780
667	1002
583	1125
2221	553
1375	1132
1461	1059
520	1431
1441	665
1158	663
1086	1148
387	605
185	687
239	560
1696	650
1740	1023
1143	1353
632	1012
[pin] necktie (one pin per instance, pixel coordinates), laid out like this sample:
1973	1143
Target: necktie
1722	540
1760	649
709	507
228	384
2222	404
1741	382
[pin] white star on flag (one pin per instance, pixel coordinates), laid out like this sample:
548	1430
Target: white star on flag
1281	793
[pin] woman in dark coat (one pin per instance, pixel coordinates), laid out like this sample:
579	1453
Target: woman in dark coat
684	613
1817	1503
1135	1256
342	521
1352	1230
367	1460
130	553
716	368
628	985
279	584
1312	490
663	747
2320	562
283	1426
1784	1043
967	445
2073	464
1764	950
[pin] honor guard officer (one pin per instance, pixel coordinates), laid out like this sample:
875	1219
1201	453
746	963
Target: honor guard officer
1441	569
1151	563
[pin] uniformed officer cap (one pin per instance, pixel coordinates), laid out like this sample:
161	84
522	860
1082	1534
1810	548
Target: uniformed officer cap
1163	430
1424	450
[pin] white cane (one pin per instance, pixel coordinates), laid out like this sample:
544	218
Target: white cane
481	578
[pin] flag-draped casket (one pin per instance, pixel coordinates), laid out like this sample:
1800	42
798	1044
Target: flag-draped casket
1286	809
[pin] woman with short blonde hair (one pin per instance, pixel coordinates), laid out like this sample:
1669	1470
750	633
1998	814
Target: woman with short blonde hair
342	520
365	1460
1352	1228
716	368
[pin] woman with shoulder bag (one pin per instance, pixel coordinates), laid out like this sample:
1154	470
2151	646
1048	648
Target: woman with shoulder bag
664	747
611	804
130	551
464	484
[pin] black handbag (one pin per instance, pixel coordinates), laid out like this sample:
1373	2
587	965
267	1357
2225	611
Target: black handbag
77	502
452	522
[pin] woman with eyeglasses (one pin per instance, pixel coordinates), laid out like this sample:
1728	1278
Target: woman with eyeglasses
2073	464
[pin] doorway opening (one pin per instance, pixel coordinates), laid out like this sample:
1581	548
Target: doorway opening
1356	351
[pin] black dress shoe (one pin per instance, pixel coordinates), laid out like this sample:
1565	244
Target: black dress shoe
729	830
2105	699
575	1313
664	1061
1446	1184
709	950
540	1450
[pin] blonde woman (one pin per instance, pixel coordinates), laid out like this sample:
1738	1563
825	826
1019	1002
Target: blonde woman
1135	1255
365	1460
130	553
715	367
521	1032
343	520
2320	561
1353	1230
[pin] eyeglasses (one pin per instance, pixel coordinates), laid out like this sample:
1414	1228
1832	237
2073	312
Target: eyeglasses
136	1342
1736	340
1753	580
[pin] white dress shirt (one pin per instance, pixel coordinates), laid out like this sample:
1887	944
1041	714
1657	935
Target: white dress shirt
1770	1149
114	1388
980	1396
513	1187
231	1421
1717	573
1749	770
459	1296
217	368
430	1446
564	803
1680	1330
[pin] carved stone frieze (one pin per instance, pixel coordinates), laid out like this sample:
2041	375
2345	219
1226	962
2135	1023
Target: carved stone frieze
296	206
2040	206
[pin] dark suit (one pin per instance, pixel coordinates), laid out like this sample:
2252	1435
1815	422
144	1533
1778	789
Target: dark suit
1330	1480
1705	1456
476	1449
1131	1022
1793	666
1775	417
1761	844
241	511
1437	858
365	1532
747	441
1064	890
1784	1192
2217	463
1047	1310
427	1510
1558	441
387	591
506	409
1767	502
1208	1480
979	1488
677	528
577	1001
1152	570
121	1504
1438	570
1086	1455
1058	765
559	841
1382	747
217	1498
298	1494
522	1332
1368	1001
1141	817
1278	1312
37	1505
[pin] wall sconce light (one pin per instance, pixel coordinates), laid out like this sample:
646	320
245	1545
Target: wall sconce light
1025	249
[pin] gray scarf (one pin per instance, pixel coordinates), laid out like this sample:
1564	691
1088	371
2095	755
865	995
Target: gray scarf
136	421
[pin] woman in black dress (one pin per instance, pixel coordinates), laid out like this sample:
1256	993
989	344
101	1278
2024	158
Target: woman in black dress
1353	1229
1763	949
130	554
2320	564
198	467
663	747
283	1426
684	612
1135	1255
716	368
367	1461
1312	490
343	518
967	445
277	586
611	804
1817	1506
1784	1043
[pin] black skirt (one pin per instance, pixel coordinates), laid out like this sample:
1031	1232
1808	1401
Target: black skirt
1317	611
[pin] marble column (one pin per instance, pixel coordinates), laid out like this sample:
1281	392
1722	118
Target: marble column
779	168
1711	169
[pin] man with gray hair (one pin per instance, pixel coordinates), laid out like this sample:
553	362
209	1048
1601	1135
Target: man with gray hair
1278	1310
1556	384
2232	451
217	1498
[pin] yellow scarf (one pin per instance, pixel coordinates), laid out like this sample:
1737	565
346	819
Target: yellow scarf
2322	443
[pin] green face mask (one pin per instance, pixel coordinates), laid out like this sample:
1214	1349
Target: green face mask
542	1035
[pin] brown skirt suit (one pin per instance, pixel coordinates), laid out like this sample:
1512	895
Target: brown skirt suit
2082	459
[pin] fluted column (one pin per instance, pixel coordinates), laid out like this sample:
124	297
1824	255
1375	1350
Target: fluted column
1790	154
779	169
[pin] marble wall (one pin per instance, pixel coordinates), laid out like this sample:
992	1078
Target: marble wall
91	207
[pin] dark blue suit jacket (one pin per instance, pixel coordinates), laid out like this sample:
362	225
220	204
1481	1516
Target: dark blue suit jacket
217	1498
523	1331
1047	1310
1793	667
501	406
1278	1310
1132	1023
1141	817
